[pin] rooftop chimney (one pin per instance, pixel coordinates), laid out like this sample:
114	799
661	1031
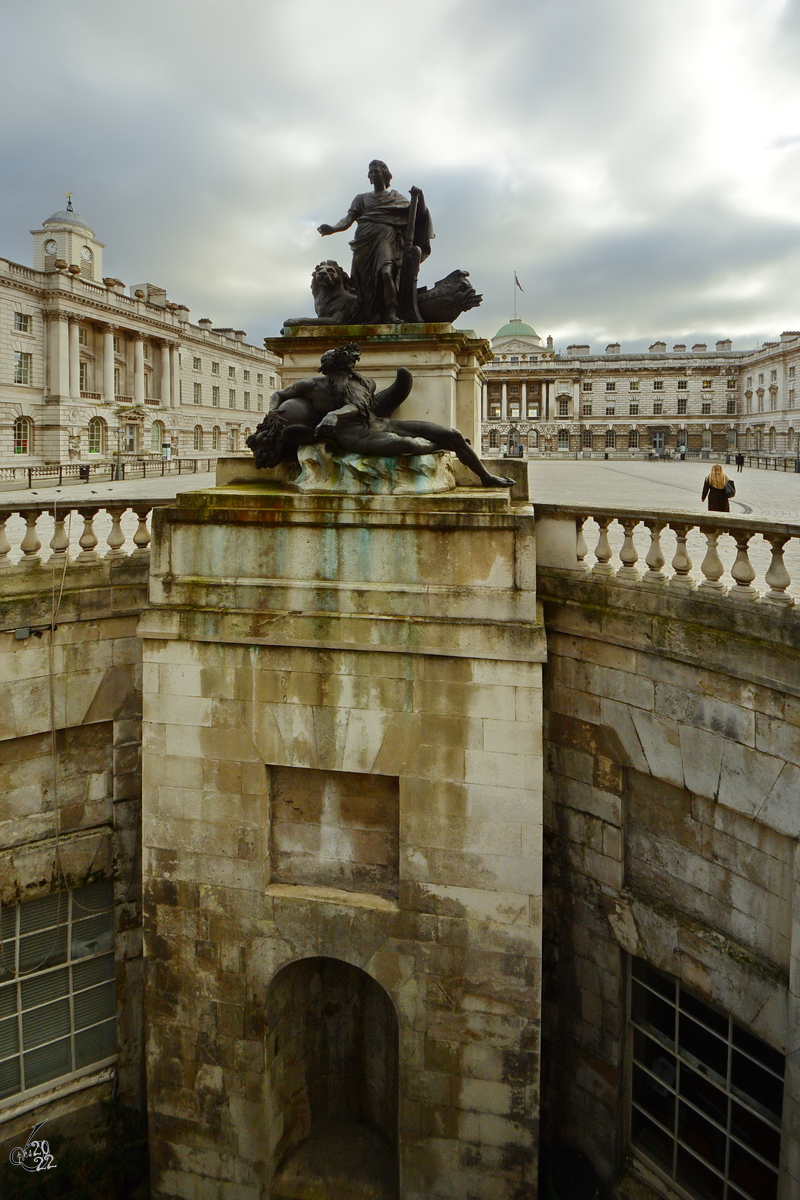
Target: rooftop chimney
612	348
679	348
205	322
699	348
723	345
658	348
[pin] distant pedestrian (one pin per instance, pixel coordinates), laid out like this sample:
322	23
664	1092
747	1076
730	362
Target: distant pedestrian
739	460
719	490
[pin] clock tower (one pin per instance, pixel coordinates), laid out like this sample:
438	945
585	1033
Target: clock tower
66	236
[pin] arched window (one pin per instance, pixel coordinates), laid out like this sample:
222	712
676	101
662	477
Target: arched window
156	437
97	435
706	442
587	439
234	439
683	439
513	442
772	440
611	439
198	437
23	435
790	445
633	439
563	439
215	438
730	439
533	440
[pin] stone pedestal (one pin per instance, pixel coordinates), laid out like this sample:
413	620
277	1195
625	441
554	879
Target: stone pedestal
446	364
342	834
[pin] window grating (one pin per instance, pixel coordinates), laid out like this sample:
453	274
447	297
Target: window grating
705	1095
57	991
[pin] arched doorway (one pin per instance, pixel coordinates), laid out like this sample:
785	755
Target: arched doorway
332	1069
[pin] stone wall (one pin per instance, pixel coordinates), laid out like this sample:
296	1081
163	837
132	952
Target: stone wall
70	737
672	818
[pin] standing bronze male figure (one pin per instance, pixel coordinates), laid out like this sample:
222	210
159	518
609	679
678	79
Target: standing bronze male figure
393	236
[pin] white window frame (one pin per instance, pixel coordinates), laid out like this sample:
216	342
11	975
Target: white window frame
23	367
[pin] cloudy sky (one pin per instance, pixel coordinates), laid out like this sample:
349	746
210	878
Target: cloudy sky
636	161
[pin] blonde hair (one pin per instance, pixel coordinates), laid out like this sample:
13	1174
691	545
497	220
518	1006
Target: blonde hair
717	477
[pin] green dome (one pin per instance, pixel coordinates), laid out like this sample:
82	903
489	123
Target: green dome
518	327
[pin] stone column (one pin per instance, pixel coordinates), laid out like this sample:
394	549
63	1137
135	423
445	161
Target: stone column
108	364
504	402
74	361
175	389
484	401
165	375
60	347
138	370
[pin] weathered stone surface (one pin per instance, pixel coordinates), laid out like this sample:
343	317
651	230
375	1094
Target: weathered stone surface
323	470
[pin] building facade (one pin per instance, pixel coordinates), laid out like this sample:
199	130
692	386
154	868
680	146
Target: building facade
537	401
89	371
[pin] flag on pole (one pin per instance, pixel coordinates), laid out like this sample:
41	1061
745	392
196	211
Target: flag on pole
517	282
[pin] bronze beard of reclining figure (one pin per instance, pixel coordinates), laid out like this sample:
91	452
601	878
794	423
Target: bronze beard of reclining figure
344	409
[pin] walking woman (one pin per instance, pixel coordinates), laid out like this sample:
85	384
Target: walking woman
719	490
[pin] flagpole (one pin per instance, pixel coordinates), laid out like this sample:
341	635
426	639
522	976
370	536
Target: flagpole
514	289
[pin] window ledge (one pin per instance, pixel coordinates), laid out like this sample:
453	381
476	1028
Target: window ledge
97	1073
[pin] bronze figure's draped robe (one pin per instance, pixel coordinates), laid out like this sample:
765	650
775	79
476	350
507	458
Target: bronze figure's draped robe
380	240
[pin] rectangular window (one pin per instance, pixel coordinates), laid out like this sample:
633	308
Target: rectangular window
22	367
196	364
495	390
633	408
22	322
215	397
533	410
681	404
131	439
708	384
634	385
773	376
610	410
705	1094
231	398
514	408
749	382
246	376
658	407
563	408
791	372
215	368
586	409
611	385
732	407
791	398
260	403
513	389
272	381
683	385
587	385
494	410
231	372
116	381
260	380
731	384
247	401
57	993
84	376
83	336
116	344
705	408
658	385
760	379
198	393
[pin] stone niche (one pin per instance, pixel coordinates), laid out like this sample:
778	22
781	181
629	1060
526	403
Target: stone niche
342	826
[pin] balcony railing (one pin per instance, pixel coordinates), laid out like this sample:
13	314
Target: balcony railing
716	556
40	532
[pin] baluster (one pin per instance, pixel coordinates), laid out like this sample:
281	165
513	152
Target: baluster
581	549
681	563
628	554
5	544
602	551
777	576
655	556
30	544
116	538
59	542
88	538
711	566
742	570
141	538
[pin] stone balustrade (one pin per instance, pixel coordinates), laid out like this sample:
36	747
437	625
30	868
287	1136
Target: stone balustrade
43	531
716	555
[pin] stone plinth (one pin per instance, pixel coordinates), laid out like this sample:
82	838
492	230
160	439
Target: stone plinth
342	824
446	364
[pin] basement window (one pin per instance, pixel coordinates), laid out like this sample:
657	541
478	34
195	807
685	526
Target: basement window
705	1095
57	990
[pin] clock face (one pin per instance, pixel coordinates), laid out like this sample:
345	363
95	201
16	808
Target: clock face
86	254
50	247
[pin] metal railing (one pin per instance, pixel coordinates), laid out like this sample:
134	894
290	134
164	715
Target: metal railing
131	467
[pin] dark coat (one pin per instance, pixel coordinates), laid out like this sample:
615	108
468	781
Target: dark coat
718	497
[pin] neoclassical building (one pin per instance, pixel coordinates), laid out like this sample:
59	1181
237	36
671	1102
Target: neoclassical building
538	401
88	368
